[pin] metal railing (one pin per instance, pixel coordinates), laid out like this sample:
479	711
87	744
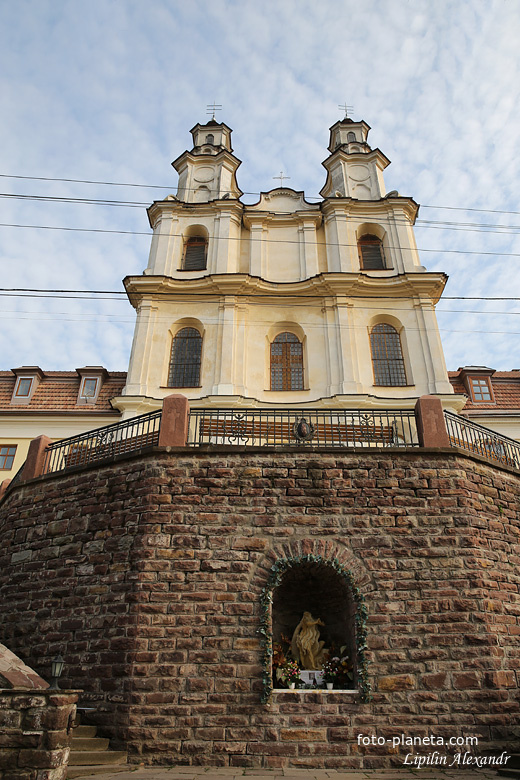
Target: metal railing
105	442
476	438
357	428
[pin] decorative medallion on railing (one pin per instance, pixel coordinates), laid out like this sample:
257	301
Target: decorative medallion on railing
303	431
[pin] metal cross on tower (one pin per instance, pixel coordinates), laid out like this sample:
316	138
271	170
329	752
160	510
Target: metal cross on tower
346	109
282	176
210	109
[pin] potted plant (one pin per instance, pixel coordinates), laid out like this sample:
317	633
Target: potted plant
338	671
290	673
330	671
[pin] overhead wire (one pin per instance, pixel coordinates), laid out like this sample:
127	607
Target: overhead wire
41	292
309	326
261	240
257	193
479	227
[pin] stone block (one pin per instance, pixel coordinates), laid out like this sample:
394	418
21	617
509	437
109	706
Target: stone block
396	682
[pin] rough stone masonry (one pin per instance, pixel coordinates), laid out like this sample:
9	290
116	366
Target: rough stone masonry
146	575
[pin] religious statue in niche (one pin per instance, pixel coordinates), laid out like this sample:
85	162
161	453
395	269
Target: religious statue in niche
306	646
304	661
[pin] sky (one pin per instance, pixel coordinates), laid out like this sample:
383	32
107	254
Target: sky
107	91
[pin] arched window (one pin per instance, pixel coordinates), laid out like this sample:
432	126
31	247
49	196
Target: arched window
351	137
195	251
387	356
210	139
371	256
185	359
286	362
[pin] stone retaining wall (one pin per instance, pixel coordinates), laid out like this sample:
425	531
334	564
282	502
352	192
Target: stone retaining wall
35	734
147	576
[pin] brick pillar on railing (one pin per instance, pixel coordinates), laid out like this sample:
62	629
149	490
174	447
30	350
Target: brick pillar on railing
431	425
3	487
174	421
33	466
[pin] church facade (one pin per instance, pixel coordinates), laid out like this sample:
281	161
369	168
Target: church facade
285	301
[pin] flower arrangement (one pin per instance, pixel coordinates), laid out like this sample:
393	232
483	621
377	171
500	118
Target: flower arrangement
290	672
330	669
338	669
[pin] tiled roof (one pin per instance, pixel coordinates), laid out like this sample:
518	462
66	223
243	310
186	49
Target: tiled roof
506	389
58	392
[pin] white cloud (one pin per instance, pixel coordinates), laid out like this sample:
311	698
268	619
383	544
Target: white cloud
109	91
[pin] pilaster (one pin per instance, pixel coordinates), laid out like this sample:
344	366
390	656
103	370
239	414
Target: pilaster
310	249
140	359
226	348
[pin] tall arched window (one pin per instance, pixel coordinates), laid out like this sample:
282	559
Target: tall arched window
286	362
387	356
351	137
195	251
371	255
185	359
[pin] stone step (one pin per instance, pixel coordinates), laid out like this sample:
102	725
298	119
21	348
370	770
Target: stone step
89	743
98	769
85	731
93	757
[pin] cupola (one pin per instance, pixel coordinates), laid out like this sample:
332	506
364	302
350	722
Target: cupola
354	169
208	171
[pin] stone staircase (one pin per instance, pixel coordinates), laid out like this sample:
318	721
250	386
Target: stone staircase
90	754
512	769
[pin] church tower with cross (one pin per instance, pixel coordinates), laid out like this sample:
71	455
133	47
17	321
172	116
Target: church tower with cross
285	302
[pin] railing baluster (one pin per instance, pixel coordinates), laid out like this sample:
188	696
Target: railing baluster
134	434
473	437
275	427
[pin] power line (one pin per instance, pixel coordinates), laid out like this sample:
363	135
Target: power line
40	292
257	193
260	240
475	227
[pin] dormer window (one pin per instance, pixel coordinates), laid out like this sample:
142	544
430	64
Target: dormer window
91	381
88	388
480	389
478	384
27	380
23	387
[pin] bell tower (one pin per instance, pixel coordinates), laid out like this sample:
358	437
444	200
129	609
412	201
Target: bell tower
354	169
208	171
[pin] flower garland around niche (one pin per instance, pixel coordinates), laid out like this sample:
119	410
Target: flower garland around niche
266	598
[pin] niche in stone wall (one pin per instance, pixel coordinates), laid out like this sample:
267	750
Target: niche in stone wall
318	589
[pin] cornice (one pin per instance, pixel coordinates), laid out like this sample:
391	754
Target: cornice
298	218
370	208
358	157
328	207
359	285
173	206
224	154
266	198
